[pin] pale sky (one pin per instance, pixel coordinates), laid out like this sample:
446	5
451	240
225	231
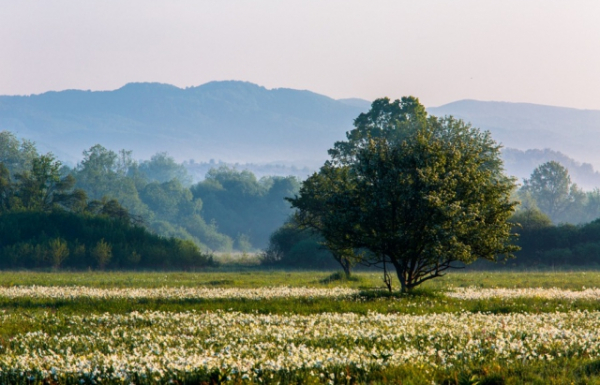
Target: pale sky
545	52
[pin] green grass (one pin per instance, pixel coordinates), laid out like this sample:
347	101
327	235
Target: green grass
250	278
426	299
22	313
415	305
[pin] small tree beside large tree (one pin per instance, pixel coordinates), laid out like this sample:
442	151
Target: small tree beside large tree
422	193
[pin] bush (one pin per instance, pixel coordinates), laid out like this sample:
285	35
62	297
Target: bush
290	246
65	239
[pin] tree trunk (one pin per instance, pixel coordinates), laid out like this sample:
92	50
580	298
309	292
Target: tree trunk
346	266
401	273
386	277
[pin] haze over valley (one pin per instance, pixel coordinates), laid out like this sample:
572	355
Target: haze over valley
279	131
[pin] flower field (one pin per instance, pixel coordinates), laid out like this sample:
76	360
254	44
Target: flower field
43	343
505	293
262	293
265	293
158	346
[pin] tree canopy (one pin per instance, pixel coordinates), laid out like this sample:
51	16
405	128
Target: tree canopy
229	209
551	188
421	193
244	207
46	222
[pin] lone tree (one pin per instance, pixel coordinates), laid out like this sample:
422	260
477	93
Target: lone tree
422	193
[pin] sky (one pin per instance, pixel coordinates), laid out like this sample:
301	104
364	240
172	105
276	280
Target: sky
544	52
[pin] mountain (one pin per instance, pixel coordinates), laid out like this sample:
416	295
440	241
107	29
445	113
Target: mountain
363	104
231	121
528	126
241	122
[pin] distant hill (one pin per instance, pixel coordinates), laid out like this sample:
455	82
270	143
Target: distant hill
364	105
262	129
231	121
526	126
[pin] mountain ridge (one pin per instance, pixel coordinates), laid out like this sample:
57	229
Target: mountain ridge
527	126
251	122
242	122
463	101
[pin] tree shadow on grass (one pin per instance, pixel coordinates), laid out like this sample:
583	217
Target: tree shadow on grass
374	294
338	277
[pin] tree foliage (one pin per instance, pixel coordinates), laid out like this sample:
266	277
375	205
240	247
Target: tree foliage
531	218
162	168
551	187
35	239
102	253
292	247
46	222
59	251
324	199
424	194
550	190
16	155
105	174
544	244
243	207
43	188
240	211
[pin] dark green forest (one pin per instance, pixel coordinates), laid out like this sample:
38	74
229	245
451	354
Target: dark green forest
111	211
47	221
547	245
62	239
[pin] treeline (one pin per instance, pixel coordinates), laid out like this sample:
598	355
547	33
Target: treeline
110	211
198	170
46	221
228	210
557	223
520	164
545	244
244	208
550	190
542	243
62	239
293	247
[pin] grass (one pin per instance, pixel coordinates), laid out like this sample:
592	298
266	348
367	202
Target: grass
424	300
384	304
21	315
252	278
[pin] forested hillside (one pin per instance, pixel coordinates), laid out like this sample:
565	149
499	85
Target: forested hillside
273	132
47	221
230	121
228	210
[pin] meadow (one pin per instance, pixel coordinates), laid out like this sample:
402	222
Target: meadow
273	327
